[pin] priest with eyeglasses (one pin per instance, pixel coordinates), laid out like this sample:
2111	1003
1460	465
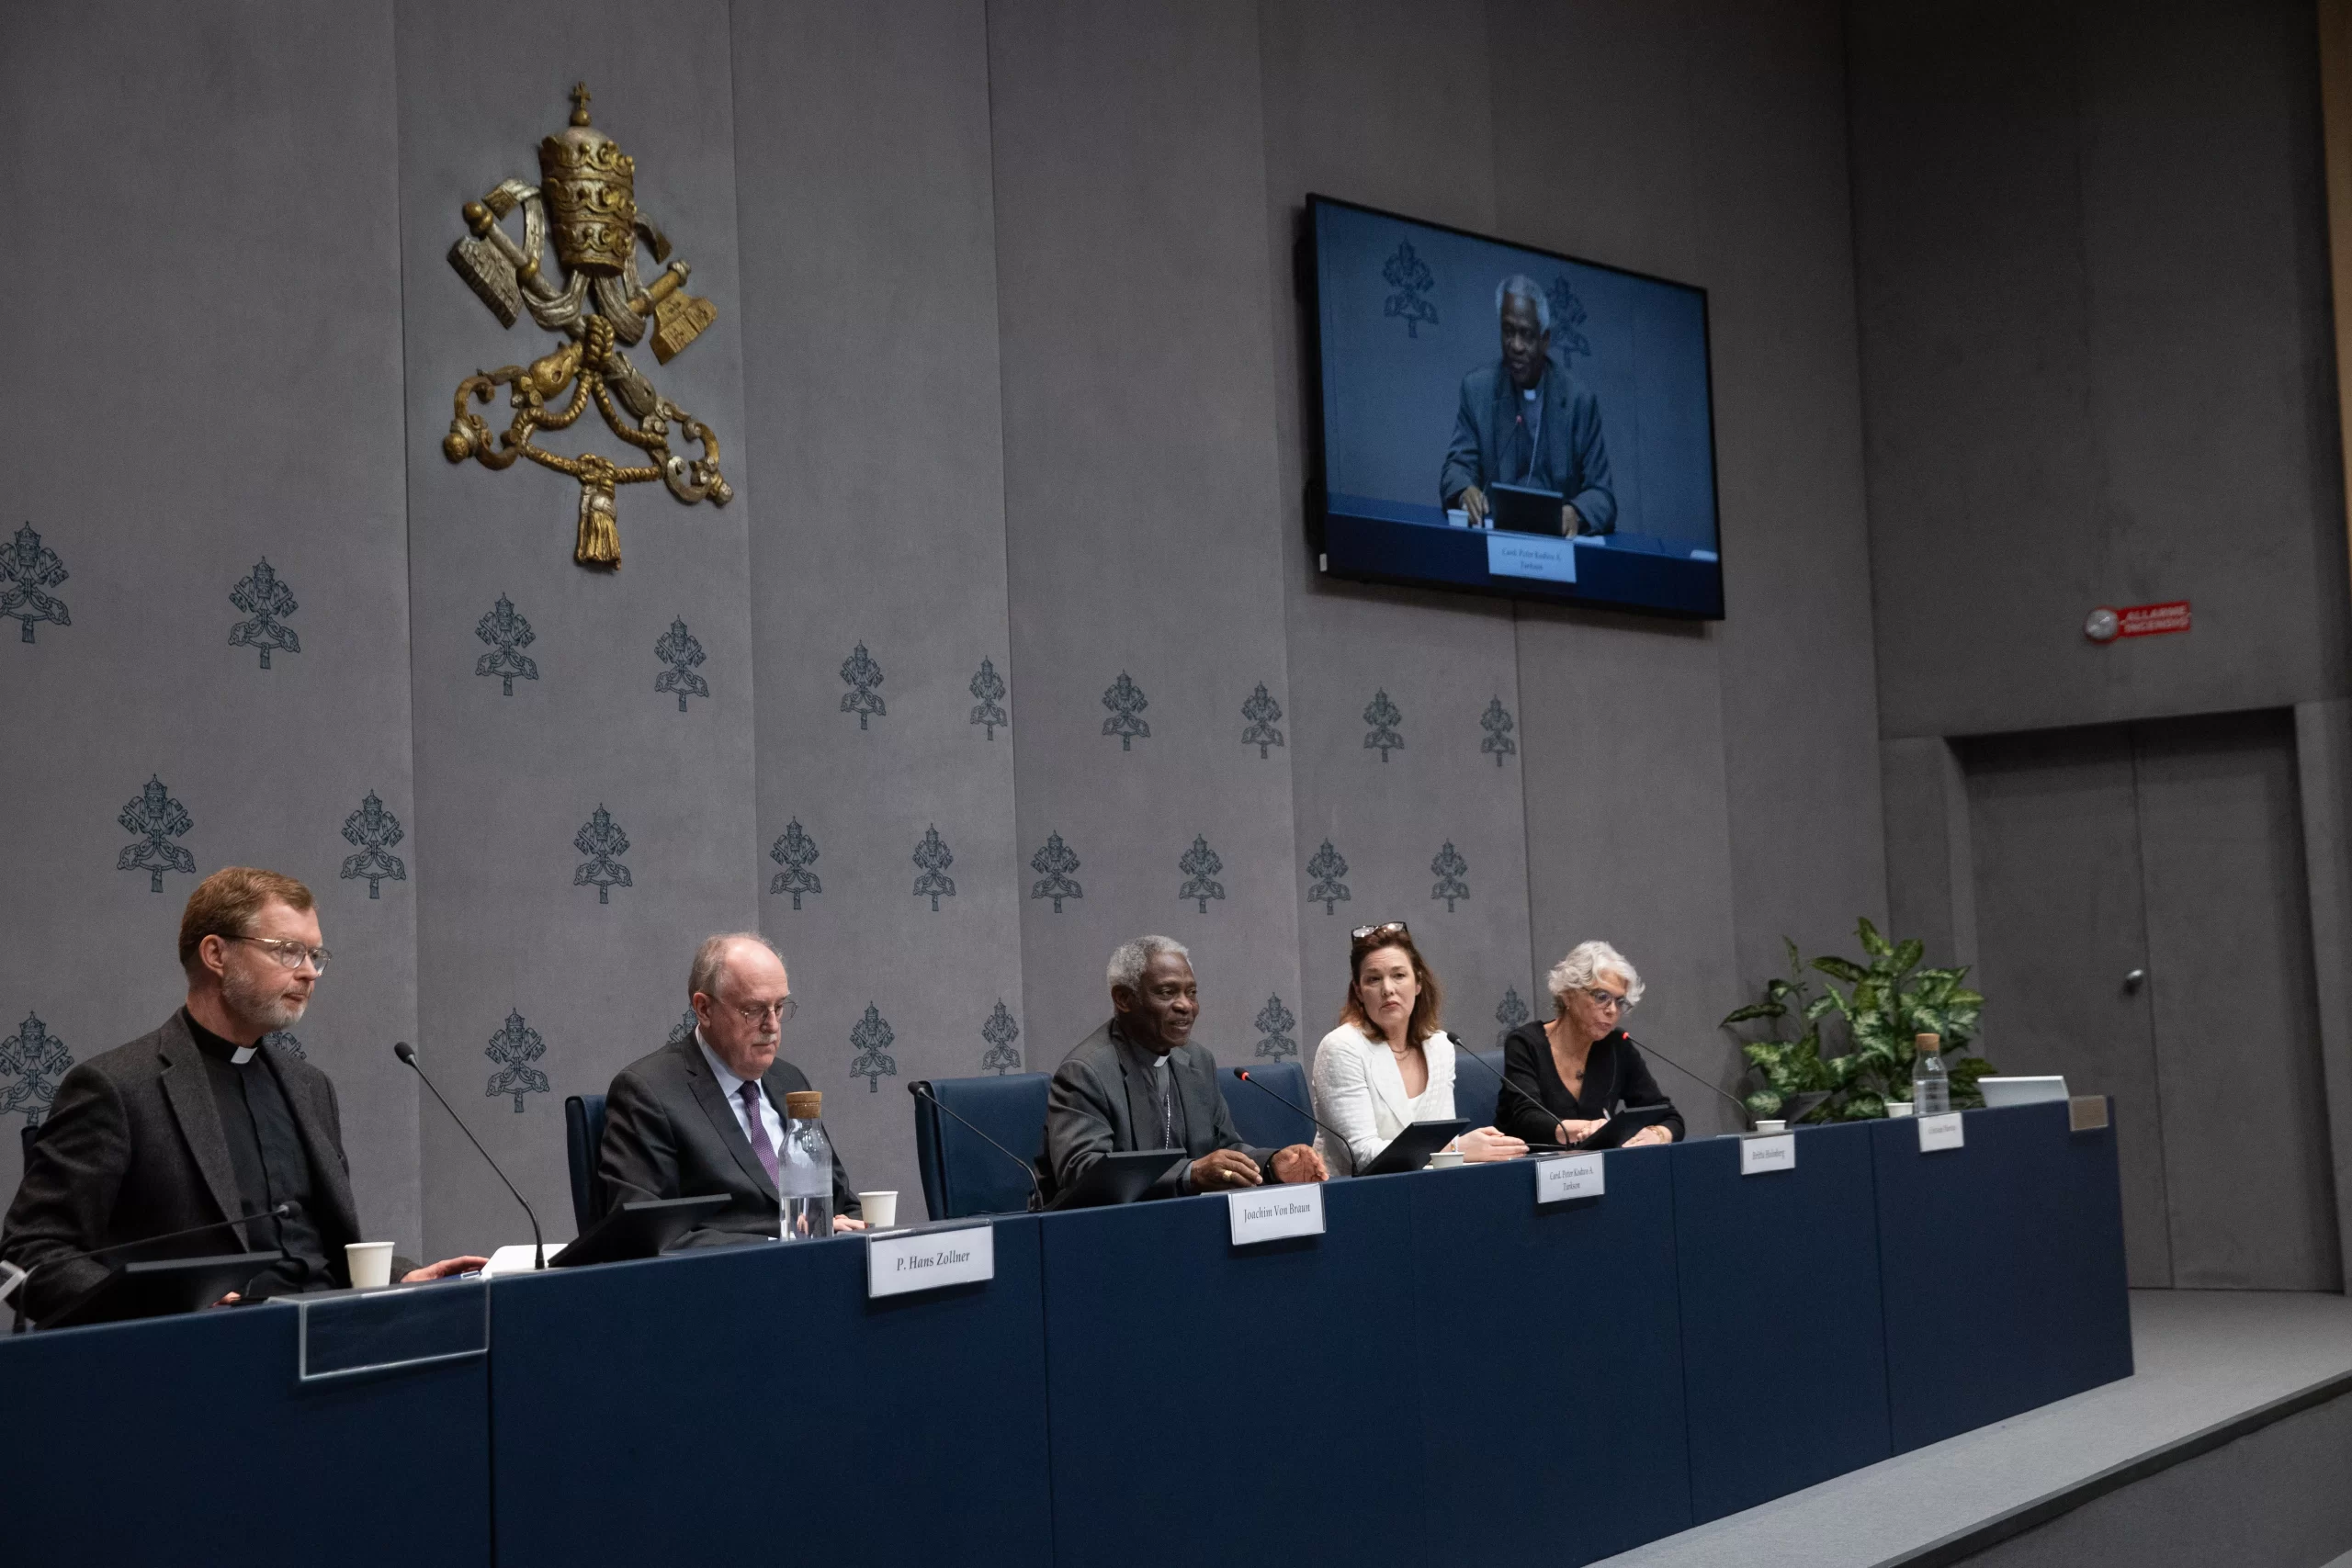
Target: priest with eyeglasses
205	1120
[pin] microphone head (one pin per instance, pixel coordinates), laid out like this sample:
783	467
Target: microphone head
1241	1073
405	1052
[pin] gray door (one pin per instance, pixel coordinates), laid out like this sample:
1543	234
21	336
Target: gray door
2171	852
2053	822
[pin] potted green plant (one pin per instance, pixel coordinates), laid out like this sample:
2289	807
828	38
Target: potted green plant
1883	1004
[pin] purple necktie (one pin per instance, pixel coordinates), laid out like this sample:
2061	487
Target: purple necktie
760	1144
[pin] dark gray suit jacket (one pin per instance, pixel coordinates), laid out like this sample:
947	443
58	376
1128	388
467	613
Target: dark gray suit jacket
134	1146
1094	1105
668	1132
1571	456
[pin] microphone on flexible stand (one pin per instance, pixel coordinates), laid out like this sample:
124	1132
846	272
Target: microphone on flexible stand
1243	1074
1745	1122
1505	1080
407	1053
922	1091
16	1276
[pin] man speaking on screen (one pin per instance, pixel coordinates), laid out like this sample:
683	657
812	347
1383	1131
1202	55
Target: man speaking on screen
1525	421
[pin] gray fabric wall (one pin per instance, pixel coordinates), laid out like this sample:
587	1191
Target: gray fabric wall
2099	355
1007	367
2098	363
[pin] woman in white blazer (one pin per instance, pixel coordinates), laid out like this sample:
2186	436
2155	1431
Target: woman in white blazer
1388	1064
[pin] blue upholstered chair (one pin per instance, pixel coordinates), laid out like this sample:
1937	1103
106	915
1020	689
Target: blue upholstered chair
1256	1116
583	1141
961	1174
1476	1091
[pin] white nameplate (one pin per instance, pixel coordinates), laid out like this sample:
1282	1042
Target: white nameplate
1940	1132
1557	1180
929	1259
1531	555
1269	1214
1776	1151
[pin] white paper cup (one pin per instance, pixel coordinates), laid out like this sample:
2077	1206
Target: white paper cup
1771	1126
370	1263
1445	1159
1898	1108
880	1209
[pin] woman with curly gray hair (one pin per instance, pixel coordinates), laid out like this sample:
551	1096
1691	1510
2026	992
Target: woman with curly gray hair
1580	1064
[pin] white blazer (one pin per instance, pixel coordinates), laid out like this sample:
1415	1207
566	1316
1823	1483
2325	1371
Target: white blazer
1360	1092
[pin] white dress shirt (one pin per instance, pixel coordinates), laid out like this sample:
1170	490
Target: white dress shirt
1359	1091
732	1087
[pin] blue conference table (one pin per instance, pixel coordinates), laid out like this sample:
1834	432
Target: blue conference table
1450	1366
195	1440
748	1405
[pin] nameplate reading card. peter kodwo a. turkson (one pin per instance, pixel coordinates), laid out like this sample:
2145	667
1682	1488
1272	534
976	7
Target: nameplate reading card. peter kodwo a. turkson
1272	1213
928	1261
1570	1175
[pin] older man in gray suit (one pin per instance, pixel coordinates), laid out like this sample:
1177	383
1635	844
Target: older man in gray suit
706	1115
1139	1082
1525	419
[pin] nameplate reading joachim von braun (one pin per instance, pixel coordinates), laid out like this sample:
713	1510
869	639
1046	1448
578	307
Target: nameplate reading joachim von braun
929	1259
1269	1214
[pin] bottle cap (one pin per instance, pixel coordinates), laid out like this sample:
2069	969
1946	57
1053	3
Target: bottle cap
1926	1042
804	1104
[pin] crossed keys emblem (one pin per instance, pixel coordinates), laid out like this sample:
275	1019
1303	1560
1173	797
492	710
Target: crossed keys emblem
587	195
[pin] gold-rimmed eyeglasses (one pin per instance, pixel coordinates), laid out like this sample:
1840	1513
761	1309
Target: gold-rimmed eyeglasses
290	954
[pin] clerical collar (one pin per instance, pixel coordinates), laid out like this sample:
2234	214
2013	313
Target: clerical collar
212	1045
1528	393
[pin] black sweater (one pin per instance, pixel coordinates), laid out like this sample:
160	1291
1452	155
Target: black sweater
1615	1074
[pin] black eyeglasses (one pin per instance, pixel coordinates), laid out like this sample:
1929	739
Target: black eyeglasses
1391	928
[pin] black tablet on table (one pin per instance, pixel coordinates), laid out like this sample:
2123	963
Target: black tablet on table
164	1286
1410	1149
1120	1177
642	1229
1613	1132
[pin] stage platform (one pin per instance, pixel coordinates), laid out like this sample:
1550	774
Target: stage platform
2232	1444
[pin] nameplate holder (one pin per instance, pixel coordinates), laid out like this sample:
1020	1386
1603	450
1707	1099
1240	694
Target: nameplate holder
2086	1112
1573	1175
1773	1150
350	1332
897	1265
1274	1213
1940	1132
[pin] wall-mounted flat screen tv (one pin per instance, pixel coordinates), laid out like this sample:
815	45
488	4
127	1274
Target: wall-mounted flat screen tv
1509	421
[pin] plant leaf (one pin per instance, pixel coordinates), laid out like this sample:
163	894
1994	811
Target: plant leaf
1753	1010
1873	943
1844	969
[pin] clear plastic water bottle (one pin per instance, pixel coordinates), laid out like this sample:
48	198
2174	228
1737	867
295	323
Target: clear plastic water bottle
1930	1085
805	1168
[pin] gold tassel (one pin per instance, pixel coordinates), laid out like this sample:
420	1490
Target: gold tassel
599	534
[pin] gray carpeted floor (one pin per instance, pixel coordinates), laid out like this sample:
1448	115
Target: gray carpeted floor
2203	1358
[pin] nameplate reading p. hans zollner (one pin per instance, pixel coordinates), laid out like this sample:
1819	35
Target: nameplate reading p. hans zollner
1576	1176
1270	1214
1775	1150
927	1260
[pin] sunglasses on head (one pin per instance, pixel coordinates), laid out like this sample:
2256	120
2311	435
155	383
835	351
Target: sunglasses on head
1390	928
